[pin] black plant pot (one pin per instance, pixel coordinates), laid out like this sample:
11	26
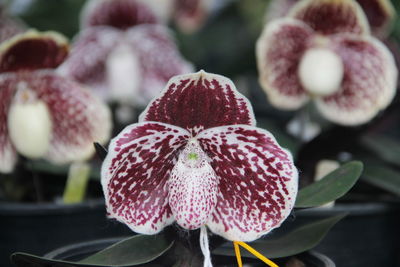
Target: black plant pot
368	236
39	228
81	250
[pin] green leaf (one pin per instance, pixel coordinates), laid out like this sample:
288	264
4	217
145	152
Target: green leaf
331	187
132	251
386	148
383	177
299	240
136	250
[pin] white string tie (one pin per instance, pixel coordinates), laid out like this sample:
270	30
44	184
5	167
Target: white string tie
205	246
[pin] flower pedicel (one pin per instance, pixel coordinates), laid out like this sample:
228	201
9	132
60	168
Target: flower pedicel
196	158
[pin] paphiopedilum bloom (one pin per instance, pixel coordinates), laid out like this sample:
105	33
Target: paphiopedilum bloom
44	115
188	15
196	158
380	13
122	54
323	51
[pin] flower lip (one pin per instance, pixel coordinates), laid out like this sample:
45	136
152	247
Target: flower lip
28	114
193	187
321	71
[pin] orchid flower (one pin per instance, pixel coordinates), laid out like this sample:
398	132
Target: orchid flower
197	159
188	15
323	51
121	54
44	115
380	13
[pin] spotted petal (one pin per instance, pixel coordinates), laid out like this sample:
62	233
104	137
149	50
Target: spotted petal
121	14
87	61
8	156
380	14
78	118
199	101
369	83
331	16
33	50
279	50
257	181
159	59
135	174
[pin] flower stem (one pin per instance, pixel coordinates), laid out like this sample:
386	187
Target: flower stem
77	180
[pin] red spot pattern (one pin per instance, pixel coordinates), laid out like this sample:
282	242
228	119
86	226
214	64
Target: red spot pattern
287	46
193	188
78	118
121	14
136	171
364	79
33	53
257	181
195	102
331	17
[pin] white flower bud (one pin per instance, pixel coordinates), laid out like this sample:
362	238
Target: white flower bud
321	71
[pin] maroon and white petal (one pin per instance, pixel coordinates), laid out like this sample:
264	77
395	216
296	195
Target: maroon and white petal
369	82
257	181
331	16
190	14
193	187
135	172
159	60
87	61
78	118
199	101
121	14
380	15
279	51
8	155
33	50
